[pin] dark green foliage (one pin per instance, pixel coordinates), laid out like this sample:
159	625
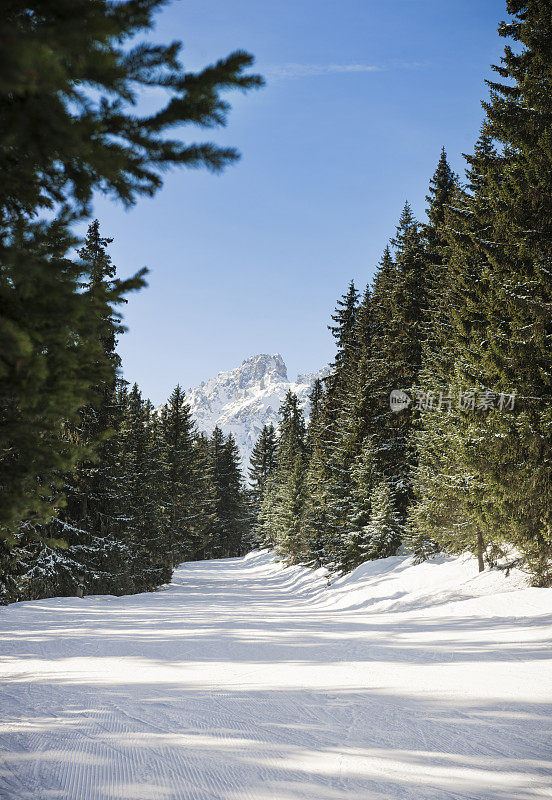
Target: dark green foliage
142	531
54	322
459	303
316	401
327	508
231	519
141	500
282	507
381	536
401	300
495	499
69	90
181	491
443	189
261	470
71	78
159	494
263	462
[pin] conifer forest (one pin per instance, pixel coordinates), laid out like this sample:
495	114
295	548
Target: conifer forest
102	492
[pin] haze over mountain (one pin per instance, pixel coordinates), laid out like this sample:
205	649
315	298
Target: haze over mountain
242	400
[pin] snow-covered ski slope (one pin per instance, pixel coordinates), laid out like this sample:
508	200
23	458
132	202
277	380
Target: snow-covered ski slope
246	681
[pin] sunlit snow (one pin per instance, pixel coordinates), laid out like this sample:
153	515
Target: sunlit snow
243	680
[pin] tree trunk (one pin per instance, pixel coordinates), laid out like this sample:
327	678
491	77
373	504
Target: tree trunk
480	551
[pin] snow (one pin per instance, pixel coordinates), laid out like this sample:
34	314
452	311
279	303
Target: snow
242	400
245	680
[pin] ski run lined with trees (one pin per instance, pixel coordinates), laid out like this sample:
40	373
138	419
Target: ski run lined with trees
364	612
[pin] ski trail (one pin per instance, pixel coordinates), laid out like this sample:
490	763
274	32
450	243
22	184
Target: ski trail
246	681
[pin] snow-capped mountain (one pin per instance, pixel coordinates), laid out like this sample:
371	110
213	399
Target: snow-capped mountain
244	399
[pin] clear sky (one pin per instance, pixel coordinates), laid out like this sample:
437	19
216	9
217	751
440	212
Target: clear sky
360	97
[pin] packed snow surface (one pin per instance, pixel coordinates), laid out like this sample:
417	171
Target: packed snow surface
243	680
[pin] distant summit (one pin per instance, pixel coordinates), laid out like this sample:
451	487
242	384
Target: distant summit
244	399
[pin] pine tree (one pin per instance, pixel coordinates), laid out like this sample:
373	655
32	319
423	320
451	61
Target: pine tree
291	431
133	465
399	302
328	473
355	539
68	144
230	524
500	248
316	519
443	188
59	143
262	462
289	507
519	328
315	524
235	506
283	505
316	400
440	478
343	331
262	467
92	491
59	556
353	452
382	535
182	494
218	467
48	372
143	519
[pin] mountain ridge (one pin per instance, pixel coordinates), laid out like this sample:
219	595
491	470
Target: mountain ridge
244	399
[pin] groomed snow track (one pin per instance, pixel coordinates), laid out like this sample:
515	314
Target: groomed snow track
246	681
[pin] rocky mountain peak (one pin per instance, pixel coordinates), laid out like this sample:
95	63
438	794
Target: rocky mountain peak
242	400
256	368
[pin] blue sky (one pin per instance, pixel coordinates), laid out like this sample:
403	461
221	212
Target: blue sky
360	98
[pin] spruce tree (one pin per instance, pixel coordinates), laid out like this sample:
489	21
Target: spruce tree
181	496
288	511
262	462
328	476
316	400
501	331
262	467
315	524
231	520
235	506
443	188
64	554
143	526
282	508
399	299
382	535
59	143
355	538
48	373
92	490
519	327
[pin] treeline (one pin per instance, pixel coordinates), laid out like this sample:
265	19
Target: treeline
91	479
457	323
153	491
